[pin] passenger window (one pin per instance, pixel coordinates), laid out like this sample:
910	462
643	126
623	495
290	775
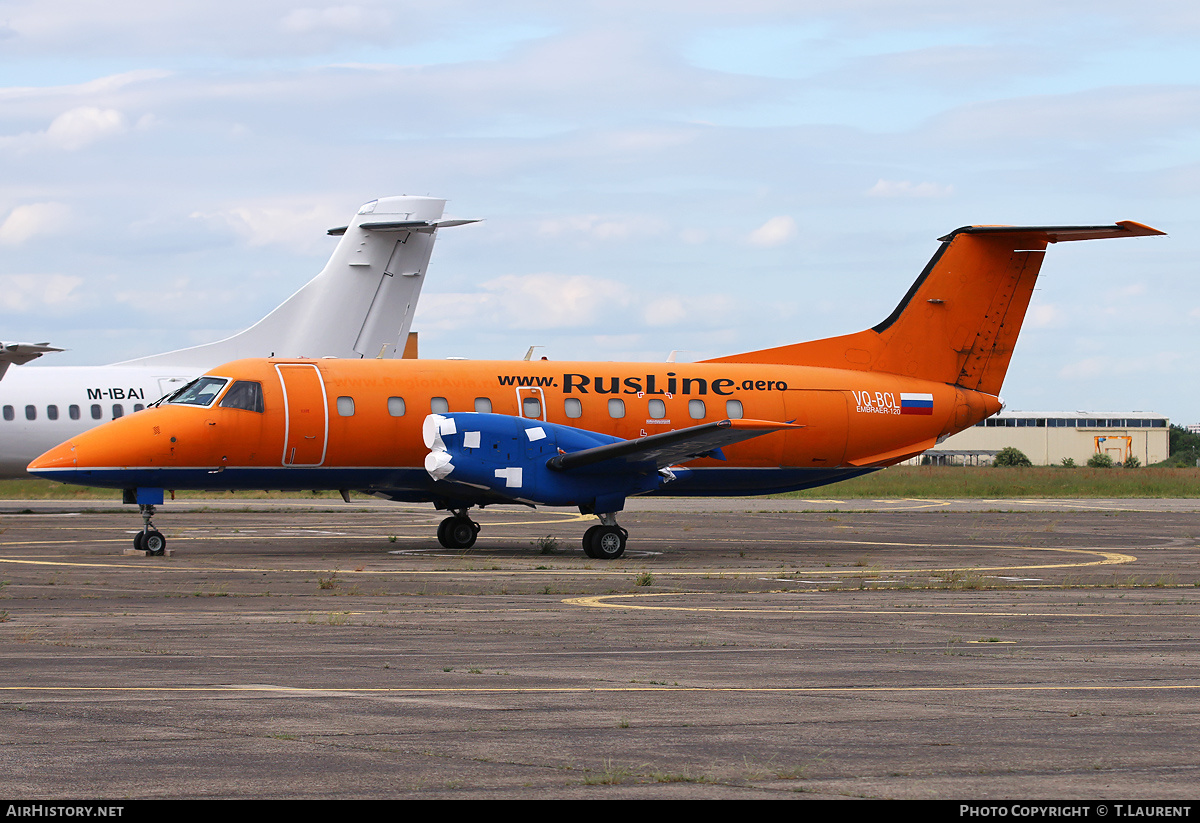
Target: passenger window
483	405
118	410
658	409
573	407
696	409
10	413
31	412
616	408
245	395
137	407
52	412
733	409
345	406
396	406
439	405
97	412
531	408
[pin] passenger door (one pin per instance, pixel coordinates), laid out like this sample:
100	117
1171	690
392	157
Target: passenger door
307	411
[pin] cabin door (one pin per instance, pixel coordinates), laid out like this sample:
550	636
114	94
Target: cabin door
307	412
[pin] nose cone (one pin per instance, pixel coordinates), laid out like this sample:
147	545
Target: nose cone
58	458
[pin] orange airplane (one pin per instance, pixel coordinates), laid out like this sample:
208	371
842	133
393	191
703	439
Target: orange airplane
590	434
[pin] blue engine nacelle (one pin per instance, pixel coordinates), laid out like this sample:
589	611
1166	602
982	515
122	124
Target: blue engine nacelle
507	457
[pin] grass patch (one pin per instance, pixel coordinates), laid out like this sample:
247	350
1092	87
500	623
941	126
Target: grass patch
991	482
34	488
897	481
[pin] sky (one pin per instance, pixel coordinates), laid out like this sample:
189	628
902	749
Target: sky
697	176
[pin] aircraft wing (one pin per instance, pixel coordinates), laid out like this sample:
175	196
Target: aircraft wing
669	448
21	353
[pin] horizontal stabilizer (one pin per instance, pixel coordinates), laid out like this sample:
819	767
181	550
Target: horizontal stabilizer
673	447
406	225
1063	234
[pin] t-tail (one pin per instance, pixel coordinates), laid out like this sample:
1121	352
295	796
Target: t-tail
959	322
361	304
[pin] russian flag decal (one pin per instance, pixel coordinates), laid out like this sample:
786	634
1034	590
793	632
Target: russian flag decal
916	403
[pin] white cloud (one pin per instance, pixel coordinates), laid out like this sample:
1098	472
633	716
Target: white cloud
569	302
774	232
595	227
549	301
33	219
1092	368
74	129
905	188
525	302
24	292
1045	316
285	224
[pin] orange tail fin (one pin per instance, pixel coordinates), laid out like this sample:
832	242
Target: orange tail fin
960	320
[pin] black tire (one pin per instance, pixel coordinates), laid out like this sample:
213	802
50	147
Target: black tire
588	537
154	543
608	542
458	532
137	541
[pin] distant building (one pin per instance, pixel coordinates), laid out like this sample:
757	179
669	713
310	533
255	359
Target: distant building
1194	428
1047	438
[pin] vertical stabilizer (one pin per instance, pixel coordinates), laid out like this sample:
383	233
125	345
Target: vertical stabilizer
959	322
360	305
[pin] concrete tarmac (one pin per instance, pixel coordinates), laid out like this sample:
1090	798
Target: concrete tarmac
314	649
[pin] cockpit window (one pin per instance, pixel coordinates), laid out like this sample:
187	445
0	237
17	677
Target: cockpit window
200	392
244	394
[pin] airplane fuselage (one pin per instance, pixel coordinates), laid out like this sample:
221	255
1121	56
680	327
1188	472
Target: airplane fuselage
357	424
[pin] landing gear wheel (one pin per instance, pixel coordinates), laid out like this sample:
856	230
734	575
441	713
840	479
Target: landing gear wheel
154	543
458	532
588	548
608	542
137	541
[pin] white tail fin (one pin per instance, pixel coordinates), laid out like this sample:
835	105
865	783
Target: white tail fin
360	305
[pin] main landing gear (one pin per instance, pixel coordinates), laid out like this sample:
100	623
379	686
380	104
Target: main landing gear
149	539
458	531
605	541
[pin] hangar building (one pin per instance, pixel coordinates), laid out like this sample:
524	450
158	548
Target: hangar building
1047	437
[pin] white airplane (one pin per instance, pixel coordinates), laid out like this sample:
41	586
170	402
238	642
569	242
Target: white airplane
360	305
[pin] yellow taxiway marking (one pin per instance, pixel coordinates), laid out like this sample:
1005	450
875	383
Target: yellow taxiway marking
316	530
501	690
600	601
1102	558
